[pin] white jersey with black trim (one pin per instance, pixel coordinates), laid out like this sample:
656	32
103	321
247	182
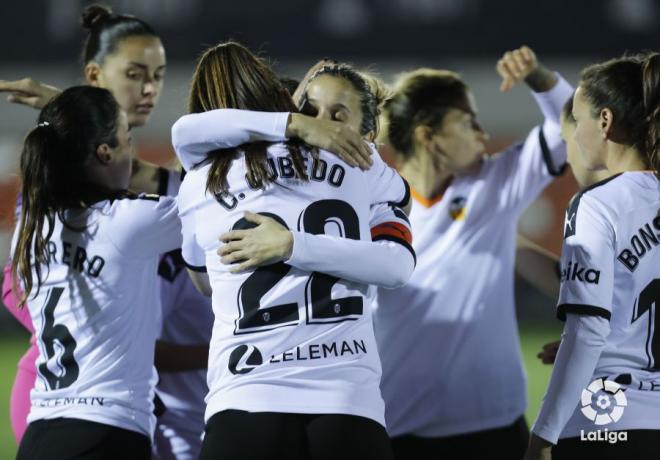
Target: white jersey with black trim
284	339
96	312
187	320
448	339
611	268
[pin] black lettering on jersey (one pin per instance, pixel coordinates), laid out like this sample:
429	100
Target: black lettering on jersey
644	240
286	168
272	173
79	259
628	259
52	252
319	169
95	266
171	264
574	272
66	253
76	258
337	173
314	350
226	200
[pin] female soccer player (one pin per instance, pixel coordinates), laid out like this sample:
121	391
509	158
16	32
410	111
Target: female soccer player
453	379
125	55
292	361
537	266
601	401
80	245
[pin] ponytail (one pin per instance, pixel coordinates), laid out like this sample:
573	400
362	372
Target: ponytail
53	172
39	177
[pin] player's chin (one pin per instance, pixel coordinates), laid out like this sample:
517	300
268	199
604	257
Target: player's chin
137	120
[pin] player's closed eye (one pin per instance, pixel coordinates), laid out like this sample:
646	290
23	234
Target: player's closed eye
134	74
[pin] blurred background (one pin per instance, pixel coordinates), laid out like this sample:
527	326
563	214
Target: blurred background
42	39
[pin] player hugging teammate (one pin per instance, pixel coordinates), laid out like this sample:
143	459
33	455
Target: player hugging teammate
286	264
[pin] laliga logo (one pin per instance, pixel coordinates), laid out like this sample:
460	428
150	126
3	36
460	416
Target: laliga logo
609	402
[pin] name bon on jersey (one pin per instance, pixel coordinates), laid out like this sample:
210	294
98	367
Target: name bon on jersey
641	244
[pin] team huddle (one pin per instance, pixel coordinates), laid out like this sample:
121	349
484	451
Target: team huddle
287	294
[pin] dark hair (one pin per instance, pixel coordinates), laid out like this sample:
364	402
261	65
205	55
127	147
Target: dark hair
567	110
371	99
290	84
630	87
106	30
422	97
230	76
71	127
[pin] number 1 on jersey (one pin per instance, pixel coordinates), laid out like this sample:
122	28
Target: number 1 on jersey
649	301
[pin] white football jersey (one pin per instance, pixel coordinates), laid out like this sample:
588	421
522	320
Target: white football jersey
611	268
187	320
287	340
448	339
95	315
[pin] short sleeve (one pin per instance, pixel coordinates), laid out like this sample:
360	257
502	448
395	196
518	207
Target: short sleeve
587	260
146	226
385	183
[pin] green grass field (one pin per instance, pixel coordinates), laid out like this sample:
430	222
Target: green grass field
13	347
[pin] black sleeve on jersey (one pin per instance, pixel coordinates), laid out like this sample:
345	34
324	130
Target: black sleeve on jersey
547	156
163	181
183	174
580	309
406	197
194	268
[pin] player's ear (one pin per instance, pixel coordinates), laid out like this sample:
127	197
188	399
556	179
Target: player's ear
104	154
423	135
92	73
605	122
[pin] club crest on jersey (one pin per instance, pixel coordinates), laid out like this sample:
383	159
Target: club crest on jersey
574	272
244	359
457	208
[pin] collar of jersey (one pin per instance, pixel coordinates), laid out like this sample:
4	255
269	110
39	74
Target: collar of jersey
427	203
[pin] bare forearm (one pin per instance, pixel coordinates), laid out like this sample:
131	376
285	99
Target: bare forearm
541	79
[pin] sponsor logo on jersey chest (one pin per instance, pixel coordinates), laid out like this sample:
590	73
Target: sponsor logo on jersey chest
245	358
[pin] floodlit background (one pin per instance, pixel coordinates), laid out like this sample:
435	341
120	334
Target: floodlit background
42	39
